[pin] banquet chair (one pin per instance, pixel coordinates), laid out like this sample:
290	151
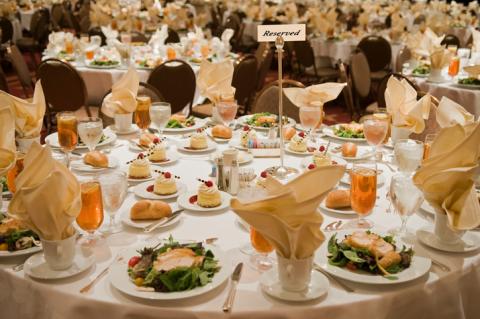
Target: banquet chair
267	99
306	64
63	87
97	31
84	24
57	14
6	29
172	37
3	81
378	53
403	56
347	90
244	80
21	68
382	86
176	82
264	66
40	28
451	39
361	81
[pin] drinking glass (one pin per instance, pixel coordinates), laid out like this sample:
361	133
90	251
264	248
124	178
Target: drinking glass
90	131
91	214
227	111
375	131
311	117
67	133
382	114
406	199
260	260
363	191
408	155
160	113
114	190
13	172
454	66
142	113
427	145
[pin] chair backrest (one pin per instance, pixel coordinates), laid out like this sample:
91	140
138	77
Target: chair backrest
176	82
260	52
267	100
244	79
378	52
42	26
172	37
97	31
84	24
402	56
3	81
57	14
360	73
451	39
382	86
264	66
7	30
347	90
21	68
62	85
304	53
139	37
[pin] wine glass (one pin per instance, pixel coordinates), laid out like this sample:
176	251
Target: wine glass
408	155
363	191
260	260
375	131
428	144
90	131
406	199
454	66
91	214
160	113
67	133
311	117
227	111
142	113
114	190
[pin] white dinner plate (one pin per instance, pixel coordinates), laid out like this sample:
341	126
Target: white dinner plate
103	67
110	137
199	123
23	252
133	129
363	153
243	120
80	166
118	276
141	224
36	266
328	131
184	202
208	131
172	157
418	267
469	242
289	150
341	211
184	146
309	160
134	145
141	180
317	287
242	157
141	191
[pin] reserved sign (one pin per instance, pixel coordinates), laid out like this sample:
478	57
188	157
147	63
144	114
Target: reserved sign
289	32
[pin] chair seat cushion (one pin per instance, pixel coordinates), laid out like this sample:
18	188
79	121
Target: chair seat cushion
26	43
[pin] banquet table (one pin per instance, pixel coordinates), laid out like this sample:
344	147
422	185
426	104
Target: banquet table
437	294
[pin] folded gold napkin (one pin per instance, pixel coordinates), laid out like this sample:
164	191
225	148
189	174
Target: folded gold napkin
47	196
7	126
28	115
215	79
429	43
402	105
473	71
122	99
440	58
450	113
288	217
159	37
314	95
446	177
7	160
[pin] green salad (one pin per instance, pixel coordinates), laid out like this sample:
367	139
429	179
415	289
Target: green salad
264	119
104	63
173	267
422	69
14	236
367	251
175	123
3	184
352	130
469	81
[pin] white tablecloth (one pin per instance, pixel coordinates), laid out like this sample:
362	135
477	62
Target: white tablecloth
437	295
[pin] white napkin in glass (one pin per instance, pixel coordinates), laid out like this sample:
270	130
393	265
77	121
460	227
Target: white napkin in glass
123	98
450	113
314	95
159	37
215	79
227	34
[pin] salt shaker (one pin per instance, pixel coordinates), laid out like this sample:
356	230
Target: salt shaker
234	180
219	169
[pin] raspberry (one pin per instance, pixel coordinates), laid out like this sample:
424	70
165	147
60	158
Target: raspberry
263	174
301	134
140	156
246	128
150	188
167	175
311	166
321	148
156	140
209	183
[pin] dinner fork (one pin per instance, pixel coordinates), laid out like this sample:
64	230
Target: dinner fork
91	284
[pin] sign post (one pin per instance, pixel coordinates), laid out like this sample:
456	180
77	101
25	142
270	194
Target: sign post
280	34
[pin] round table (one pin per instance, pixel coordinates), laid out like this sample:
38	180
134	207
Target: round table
435	295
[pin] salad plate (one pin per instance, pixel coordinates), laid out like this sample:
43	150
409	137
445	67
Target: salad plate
468	83
142	191
108	64
409	268
108	137
179	127
210	273
188	201
263	121
16	239
22	252
345	132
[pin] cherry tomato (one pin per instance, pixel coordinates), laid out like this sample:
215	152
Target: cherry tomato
133	261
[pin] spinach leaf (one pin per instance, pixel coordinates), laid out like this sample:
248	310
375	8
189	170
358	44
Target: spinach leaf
352	255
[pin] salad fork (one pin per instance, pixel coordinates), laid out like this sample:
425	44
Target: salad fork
91	284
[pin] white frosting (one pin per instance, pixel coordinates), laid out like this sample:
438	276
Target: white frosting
297	143
161	179
140	162
246	135
208	190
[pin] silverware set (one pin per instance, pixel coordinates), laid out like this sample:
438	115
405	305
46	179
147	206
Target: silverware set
235	278
162	221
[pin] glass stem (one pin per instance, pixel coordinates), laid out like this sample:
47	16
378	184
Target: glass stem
113	222
403	227
67	159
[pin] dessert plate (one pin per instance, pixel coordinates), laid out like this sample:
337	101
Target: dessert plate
186	201
469	242
341	211
36	266
82	167
141	191
172	157
317	288
289	150
309	160
185	147
141	224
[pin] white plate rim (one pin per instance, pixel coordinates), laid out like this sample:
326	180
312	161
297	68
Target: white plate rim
199	123
309	160
90	169
22	252
139	189
110	138
211	146
133	129
125	219
172	158
184	203
324	207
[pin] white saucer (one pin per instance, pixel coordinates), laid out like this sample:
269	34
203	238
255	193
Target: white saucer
185	147
270	284
133	129
36	267
309	160
184	202
470	241
172	157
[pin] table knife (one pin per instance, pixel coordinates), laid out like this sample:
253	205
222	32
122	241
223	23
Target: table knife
237	273
162	221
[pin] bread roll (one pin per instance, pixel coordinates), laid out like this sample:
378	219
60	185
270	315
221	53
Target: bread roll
338	199
150	209
288	133
221	131
96	159
146	139
349	150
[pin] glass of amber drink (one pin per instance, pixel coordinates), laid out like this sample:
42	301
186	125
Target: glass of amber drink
427	145
260	260
171	53
91	215
142	113
375	131
363	191
67	133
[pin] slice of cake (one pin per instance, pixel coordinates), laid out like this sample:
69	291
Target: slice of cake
158	152
298	143
208	195
198	140
165	184
139	168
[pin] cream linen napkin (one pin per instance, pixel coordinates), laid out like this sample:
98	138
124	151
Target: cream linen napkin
314	95
440	58
7	126
476	40
446	178
159	37
288	218
215	79
402	104
429	43
7	160
450	113
473	71
28	115
122	99
48	195
226	36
